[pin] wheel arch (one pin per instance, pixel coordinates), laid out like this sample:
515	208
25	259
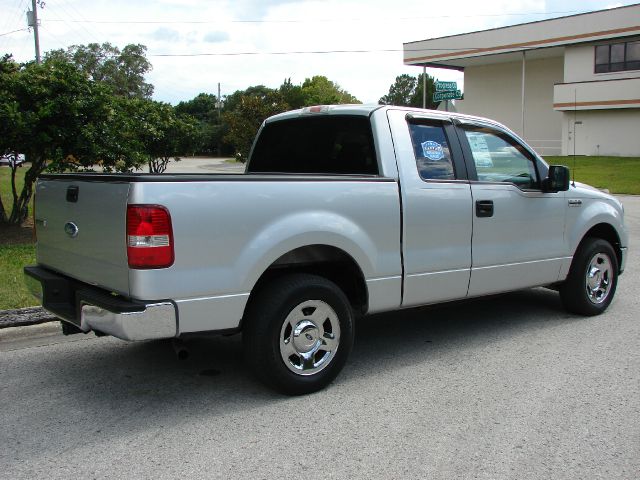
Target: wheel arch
604	231
326	261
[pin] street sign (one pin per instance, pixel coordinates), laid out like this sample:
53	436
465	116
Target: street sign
454	95
446	86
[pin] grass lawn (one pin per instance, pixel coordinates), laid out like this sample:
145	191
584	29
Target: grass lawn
16	250
616	174
5	185
13	292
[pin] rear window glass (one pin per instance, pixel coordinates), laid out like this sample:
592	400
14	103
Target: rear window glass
322	145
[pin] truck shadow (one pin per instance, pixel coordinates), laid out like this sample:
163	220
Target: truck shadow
462	324
118	387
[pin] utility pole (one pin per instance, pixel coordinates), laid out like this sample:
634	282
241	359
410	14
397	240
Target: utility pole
424	86
219	105
32	21
219	102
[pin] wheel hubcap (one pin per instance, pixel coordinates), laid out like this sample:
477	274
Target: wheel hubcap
599	278
309	337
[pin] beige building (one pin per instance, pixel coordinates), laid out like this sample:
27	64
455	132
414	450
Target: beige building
566	84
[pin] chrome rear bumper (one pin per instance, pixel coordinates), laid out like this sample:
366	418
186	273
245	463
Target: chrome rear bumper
90	308
157	320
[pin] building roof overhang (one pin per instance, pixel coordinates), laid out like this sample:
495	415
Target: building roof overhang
542	39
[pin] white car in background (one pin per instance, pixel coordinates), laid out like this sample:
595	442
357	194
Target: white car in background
11	160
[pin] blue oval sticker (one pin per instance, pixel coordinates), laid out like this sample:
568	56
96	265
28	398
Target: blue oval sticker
432	150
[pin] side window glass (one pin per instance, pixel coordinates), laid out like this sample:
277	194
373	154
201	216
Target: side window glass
499	158
431	148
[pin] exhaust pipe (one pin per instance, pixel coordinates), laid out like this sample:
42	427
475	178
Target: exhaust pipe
182	352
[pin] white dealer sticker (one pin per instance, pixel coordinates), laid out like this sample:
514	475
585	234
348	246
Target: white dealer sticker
480	150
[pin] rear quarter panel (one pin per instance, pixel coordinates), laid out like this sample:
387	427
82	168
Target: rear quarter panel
227	233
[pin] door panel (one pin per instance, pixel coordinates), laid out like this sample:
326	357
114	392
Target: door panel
437	210
518	230
521	244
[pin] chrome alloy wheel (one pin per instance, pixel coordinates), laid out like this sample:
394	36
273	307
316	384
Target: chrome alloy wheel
309	337
599	278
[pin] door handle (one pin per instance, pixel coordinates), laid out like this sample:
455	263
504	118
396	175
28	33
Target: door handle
484	208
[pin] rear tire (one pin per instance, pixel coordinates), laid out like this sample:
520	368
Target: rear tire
592	280
298	333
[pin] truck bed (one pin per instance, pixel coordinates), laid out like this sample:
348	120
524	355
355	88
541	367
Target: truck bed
227	231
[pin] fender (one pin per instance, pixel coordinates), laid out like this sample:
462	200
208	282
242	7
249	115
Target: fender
299	230
601	210
594	213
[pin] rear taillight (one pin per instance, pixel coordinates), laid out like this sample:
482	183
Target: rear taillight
149	237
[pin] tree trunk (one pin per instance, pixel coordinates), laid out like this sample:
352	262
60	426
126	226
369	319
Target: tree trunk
20	210
3	215
158	165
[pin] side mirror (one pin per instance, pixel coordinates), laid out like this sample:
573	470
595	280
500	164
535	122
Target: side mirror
558	179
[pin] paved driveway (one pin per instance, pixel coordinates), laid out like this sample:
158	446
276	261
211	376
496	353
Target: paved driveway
205	165
509	387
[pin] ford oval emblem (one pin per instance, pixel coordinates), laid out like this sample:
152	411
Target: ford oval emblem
71	229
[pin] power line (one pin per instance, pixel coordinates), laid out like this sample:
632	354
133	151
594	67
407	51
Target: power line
240	54
19	9
62	44
315	20
18	18
15	31
61	15
315	52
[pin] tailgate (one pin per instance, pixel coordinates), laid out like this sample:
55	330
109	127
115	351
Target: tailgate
81	230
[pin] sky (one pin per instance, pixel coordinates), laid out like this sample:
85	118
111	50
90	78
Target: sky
194	44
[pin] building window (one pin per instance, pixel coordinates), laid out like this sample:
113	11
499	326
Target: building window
618	57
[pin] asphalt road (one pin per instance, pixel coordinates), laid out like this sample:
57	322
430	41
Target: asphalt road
509	387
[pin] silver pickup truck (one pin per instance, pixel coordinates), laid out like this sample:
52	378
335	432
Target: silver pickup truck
343	211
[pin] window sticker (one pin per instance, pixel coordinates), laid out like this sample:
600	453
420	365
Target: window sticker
432	150
480	150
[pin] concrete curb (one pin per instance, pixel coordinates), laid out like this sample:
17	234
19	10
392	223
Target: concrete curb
25	316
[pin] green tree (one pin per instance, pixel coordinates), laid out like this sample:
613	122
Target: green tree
319	90
407	91
233	101
250	109
245	110
204	108
123	70
417	98
164	133
61	120
10	123
401	92
292	94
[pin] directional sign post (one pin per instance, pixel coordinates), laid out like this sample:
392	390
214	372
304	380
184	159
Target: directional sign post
452	95
446	91
446	86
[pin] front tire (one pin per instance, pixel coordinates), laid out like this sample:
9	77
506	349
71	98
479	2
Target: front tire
298	333
592	280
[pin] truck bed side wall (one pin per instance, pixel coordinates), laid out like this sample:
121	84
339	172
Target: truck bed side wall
227	234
